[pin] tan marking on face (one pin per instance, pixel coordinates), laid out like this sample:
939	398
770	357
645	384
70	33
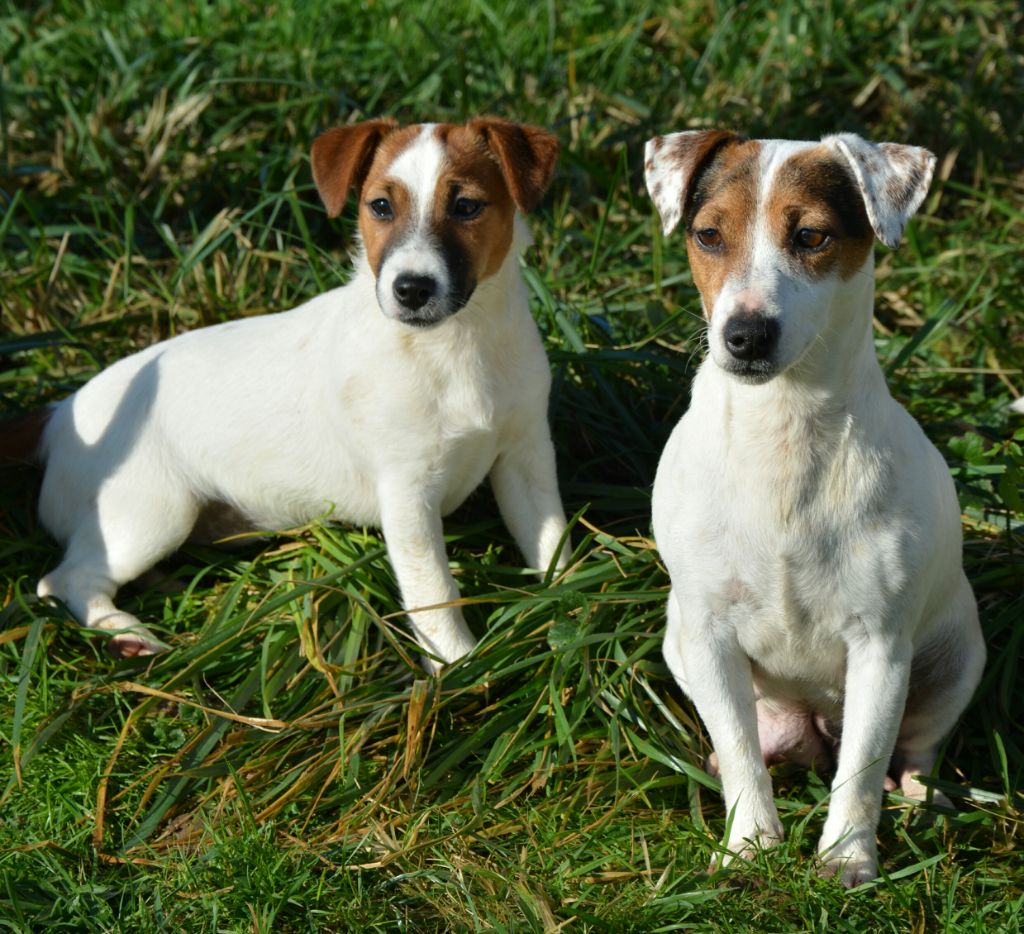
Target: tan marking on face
471	171
724	198
814	189
379	234
478	245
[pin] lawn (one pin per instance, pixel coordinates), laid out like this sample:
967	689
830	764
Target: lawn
289	766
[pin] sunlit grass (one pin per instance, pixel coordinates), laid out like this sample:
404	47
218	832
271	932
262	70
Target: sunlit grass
289	766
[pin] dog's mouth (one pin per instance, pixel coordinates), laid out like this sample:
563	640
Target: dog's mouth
423	320
431	314
753	372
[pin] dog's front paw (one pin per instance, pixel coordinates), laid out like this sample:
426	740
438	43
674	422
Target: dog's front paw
130	638
743	844
444	635
853	860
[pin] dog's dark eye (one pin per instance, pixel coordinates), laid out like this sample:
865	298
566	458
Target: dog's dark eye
709	238
381	208
465	208
808	239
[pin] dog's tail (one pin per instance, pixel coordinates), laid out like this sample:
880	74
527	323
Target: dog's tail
20	438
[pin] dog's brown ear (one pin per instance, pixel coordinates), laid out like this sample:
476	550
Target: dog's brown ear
893	179
341	158
672	162
527	156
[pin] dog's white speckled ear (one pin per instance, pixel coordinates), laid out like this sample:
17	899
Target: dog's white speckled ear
892	177
670	166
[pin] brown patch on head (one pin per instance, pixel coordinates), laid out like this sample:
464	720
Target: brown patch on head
722	198
672	164
527	156
815	190
380	234
472	171
488	169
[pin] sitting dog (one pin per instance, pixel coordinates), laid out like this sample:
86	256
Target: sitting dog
385	402
811	531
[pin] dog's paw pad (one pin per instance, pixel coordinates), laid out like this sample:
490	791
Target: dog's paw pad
850	872
133	645
852	860
711	765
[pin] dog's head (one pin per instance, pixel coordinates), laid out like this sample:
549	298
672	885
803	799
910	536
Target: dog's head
436	203
777	231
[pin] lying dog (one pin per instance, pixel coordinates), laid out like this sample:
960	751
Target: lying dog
384	402
811	531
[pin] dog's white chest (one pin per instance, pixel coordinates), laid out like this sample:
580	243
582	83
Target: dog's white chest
792	630
468	429
779	531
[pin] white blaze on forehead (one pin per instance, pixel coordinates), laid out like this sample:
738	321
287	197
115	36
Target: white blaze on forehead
418	167
764	260
774	153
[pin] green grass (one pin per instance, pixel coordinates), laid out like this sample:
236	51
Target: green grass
288	766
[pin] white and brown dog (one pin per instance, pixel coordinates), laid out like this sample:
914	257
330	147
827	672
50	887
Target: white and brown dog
811	530
384	402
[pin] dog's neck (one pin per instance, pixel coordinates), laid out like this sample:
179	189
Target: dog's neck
838	373
792	437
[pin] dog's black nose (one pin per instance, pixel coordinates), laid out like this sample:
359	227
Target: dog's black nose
414	291
751	336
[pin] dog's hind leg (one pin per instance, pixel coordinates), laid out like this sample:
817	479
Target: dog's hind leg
943	677
114	544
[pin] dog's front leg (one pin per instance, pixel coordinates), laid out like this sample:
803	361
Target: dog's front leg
707	660
411	520
877	676
525	485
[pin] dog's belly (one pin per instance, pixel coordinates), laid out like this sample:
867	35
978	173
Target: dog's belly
337	485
